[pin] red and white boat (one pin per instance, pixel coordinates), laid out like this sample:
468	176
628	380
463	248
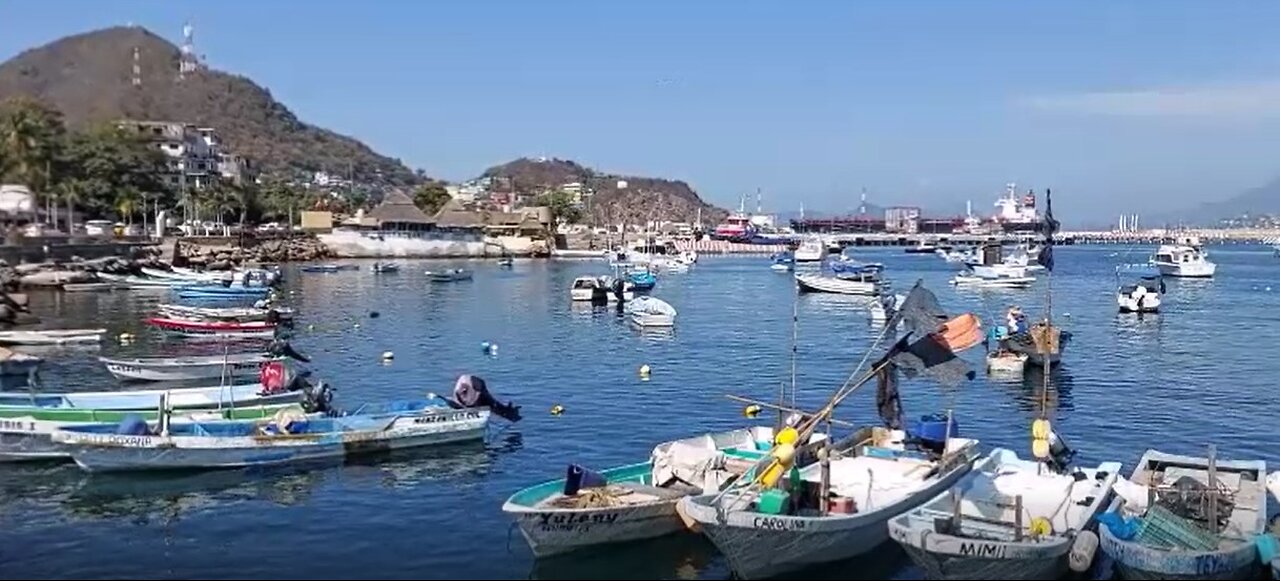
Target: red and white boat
215	328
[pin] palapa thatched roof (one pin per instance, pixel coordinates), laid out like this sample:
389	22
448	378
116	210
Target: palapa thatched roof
398	207
453	215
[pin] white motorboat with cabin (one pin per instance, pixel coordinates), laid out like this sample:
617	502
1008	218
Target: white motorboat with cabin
811	250
1008	518
1185	258
1142	296
864	284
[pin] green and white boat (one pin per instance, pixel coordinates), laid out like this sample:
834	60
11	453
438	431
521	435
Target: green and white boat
27	419
636	501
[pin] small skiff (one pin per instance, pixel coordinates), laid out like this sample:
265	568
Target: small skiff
241	314
287	438
449	275
51	336
327	267
18	364
24	431
1016	519
1171	539
78	287
181	398
385	267
217	328
972	280
636	501
651	312
189	368
221	291
1006	362
875	484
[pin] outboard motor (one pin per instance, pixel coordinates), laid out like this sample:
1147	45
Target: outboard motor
1060	454
317	398
471	391
280	347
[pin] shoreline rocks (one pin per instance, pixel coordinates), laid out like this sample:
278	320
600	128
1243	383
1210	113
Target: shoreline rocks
225	256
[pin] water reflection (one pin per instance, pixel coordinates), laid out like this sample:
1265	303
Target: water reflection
679	556
168	496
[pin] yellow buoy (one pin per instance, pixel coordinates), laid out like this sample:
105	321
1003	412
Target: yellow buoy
788	435
1040	448
557	409
1040	429
751	411
783	455
1041	527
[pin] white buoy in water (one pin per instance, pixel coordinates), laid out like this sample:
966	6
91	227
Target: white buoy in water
126	337
644	372
388	356
1082	551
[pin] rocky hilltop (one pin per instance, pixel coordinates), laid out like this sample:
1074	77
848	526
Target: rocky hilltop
89	78
644	198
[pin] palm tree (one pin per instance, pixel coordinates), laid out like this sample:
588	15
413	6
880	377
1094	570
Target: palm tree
127	204
72	192
30	135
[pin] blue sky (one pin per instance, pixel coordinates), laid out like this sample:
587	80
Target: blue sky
1118	106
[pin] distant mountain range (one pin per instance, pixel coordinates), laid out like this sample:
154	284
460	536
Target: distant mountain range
1264	199
89	78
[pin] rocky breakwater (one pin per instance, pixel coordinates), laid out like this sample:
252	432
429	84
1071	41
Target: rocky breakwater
215	256
76	270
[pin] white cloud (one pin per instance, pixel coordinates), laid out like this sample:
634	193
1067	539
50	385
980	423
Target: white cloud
1251	100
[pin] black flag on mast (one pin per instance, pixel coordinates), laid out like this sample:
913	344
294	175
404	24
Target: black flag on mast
1048	228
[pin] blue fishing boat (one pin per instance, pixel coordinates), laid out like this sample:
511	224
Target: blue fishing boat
291	436
218	291
642	280
783	261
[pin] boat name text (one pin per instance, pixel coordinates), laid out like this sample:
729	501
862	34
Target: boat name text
774	523
551	522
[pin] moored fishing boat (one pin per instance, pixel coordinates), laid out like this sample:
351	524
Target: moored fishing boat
632	502
242	314
786	517
327	267
214	328
288	437
879	480
1008	518
25	431
75	287
868	284
179	398
642	279
136	282
217	291
449	275
51	336
385	267
1004	361
189	368
1203	523
651	312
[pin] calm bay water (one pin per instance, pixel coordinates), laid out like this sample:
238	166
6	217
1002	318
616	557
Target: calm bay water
1202	371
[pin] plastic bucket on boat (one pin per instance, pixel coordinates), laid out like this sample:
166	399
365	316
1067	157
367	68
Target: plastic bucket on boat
932	429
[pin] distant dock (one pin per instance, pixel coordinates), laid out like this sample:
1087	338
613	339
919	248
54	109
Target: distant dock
880	239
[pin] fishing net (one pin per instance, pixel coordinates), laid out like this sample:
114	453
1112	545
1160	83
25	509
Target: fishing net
604	497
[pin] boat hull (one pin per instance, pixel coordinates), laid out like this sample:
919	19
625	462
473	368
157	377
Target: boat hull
1134	560
119	453
1187	270
1050	562
830	284
764	546
195	368
554	532
651	320
1143	304
25	434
